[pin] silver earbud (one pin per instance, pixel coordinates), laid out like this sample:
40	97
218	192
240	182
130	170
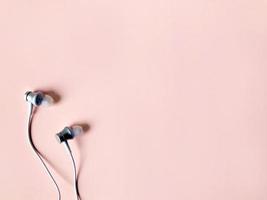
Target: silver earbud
69	133
63	136
38	98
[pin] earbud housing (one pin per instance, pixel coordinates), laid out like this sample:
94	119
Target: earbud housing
36	98
68	133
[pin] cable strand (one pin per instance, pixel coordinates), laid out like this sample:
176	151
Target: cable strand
76	188
36	151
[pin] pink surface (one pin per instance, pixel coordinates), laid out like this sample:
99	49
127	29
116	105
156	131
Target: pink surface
175	93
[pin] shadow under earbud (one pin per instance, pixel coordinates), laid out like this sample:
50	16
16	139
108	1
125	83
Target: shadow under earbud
85	127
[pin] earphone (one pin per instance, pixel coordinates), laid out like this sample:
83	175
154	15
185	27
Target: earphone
68	133
36	99
63	136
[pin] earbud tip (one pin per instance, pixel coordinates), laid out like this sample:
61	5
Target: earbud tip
77	130
48	100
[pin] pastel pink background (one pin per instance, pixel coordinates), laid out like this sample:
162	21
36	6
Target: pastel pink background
175	93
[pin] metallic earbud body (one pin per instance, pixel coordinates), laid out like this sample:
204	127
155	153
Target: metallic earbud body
36	98
68	133
65	134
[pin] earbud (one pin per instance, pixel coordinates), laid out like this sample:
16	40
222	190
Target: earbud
69	133
63	136
38	98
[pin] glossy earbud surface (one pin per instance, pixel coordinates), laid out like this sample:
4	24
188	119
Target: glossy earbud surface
68	133
38	98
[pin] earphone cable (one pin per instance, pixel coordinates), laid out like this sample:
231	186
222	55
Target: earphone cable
37	151
74	171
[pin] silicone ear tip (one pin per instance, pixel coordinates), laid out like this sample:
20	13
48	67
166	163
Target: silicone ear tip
77	130
47	100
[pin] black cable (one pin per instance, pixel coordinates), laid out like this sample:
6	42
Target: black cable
76	188
36	151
